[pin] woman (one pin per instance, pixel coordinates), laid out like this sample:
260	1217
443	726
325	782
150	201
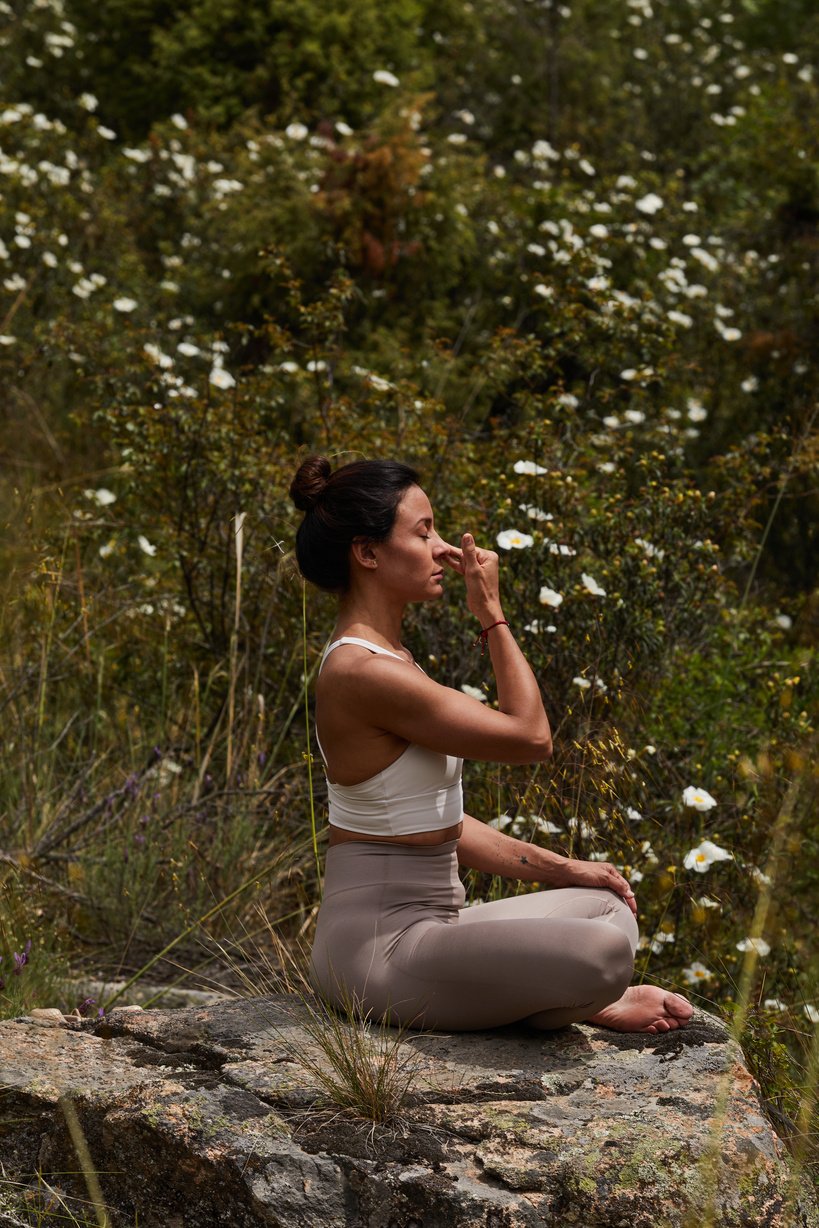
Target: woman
393	938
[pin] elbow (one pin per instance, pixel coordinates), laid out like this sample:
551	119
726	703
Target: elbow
540	745
544	747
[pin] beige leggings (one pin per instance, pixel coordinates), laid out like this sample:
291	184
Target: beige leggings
394	941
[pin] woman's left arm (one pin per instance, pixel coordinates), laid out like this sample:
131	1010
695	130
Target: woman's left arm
492	852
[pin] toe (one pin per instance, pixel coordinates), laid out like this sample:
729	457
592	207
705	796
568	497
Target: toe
680	1007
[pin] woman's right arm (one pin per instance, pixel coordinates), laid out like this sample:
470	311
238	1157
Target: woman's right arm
518	691
408	703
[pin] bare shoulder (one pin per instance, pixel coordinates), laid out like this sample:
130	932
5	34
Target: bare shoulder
364	675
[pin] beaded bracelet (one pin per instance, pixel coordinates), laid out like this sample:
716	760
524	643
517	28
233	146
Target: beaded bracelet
484	634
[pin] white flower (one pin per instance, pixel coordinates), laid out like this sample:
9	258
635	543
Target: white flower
88	102
548	596
705	258
635	416
583	683
512	539
586	167
145	546
528	467
650	203
704	855
649	550
775	1004
681	318
156	355
535	513
705	901
812	1012
545	825
633	814
473	691
297	131
607	467
179	121
102	496
544	291
751	384
7	339
124	304
220	378
754	944
137	155
659	940
696	972
343	129
106	549
591	586
107	134
385	78
784	621
188	349
700	799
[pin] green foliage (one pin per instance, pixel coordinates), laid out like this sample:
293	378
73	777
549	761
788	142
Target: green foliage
566	266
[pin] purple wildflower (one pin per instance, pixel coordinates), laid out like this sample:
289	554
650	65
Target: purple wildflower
20	960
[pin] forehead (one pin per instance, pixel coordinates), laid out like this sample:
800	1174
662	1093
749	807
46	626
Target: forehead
414	506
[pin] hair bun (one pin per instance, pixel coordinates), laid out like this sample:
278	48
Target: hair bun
310	482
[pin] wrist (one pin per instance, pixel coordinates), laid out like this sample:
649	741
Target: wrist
549	867
490	615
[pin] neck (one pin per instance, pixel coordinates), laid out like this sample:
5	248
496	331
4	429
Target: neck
371	620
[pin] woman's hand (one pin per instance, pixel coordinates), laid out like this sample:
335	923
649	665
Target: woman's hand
595	874
479	569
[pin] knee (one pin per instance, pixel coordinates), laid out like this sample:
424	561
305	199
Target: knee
613	960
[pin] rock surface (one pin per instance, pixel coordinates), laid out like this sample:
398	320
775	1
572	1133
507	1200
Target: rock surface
212	1116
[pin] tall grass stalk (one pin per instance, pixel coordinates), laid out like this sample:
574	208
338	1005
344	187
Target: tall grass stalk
705	1216
84	1156
238	537
805	1117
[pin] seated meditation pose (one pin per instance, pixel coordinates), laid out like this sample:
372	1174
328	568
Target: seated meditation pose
394	940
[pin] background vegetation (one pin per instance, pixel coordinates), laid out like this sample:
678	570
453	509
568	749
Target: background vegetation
563	258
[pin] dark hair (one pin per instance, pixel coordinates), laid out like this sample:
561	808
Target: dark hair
358	500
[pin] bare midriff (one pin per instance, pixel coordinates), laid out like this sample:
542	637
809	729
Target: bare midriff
338	835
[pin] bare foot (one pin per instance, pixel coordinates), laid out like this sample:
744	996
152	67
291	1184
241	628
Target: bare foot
645	1008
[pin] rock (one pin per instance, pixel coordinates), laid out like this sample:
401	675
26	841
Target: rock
213	1115
169	997
47	1016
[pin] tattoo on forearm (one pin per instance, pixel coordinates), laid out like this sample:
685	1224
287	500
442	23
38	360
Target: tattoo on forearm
524	861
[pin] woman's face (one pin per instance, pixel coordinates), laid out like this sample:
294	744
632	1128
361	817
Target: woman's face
413	559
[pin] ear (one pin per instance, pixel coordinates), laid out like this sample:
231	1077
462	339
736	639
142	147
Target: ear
363	552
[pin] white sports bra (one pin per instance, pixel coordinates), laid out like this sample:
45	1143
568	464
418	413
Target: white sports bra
418	791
